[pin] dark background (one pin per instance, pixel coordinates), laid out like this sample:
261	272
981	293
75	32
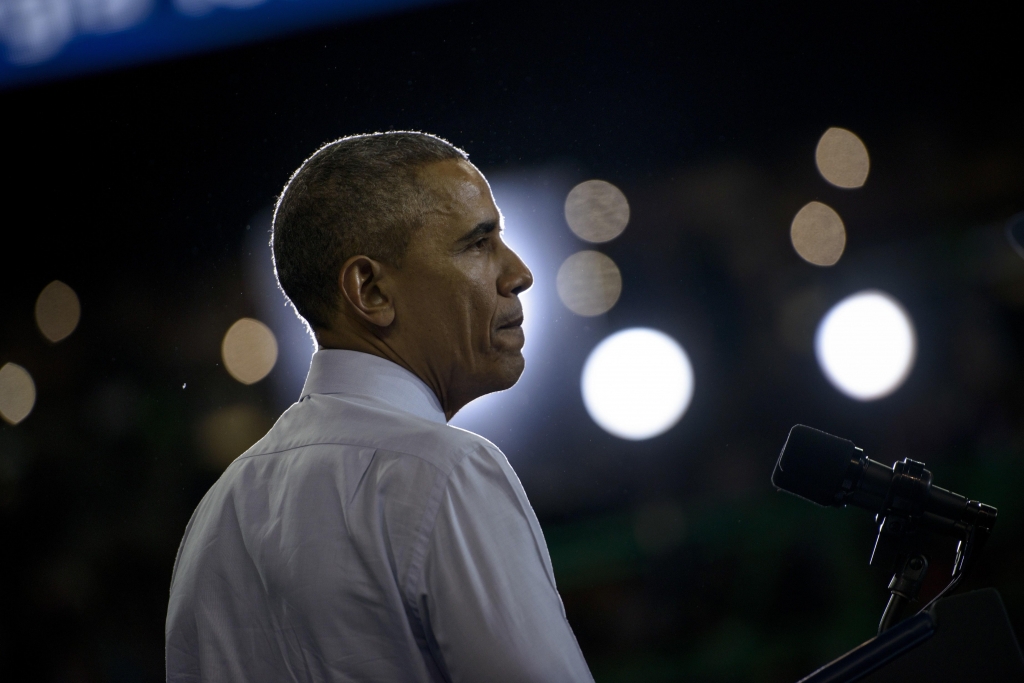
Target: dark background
675	557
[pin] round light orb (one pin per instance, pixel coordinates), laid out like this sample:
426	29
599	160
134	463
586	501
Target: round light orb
659	525
249	350
229	431
596	211
842	158
588	283
57	311
818	234
17	393
637	383
866	345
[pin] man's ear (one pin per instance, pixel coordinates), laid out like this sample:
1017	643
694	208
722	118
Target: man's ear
365	286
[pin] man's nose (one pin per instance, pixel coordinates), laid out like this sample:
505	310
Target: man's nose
515	277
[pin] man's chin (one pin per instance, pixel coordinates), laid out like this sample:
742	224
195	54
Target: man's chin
502	373
505	372
515	364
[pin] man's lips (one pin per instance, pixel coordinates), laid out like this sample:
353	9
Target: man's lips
514	322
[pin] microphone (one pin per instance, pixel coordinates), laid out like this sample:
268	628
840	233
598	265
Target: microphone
832	471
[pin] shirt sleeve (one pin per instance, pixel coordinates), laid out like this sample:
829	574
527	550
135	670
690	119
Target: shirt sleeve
489	601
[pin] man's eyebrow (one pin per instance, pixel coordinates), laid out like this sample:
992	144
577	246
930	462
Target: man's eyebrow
479	231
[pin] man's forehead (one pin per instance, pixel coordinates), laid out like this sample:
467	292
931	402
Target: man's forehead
459	189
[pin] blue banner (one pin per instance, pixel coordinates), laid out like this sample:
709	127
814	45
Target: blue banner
44	39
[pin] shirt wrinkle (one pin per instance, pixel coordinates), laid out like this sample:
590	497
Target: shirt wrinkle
414	580
359	483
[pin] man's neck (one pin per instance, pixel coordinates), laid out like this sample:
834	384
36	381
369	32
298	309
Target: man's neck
348	340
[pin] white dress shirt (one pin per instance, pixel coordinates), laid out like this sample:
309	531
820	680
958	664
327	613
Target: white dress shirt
364	539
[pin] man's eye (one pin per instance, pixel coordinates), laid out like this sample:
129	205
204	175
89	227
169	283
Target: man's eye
479	244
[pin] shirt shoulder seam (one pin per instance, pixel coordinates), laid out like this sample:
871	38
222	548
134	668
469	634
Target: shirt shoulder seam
375	448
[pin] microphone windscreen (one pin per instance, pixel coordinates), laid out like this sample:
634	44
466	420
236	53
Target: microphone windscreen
812	464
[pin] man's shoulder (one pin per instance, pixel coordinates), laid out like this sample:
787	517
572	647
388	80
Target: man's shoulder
324	421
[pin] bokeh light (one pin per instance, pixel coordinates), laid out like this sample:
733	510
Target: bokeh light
249	350
818	234
659	525
842	158
637	383
596	211
17	393
866	345
589	283
57	311
228	432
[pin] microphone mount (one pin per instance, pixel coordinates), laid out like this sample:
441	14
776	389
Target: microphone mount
831	471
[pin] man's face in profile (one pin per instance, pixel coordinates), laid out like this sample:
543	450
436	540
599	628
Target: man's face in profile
459	285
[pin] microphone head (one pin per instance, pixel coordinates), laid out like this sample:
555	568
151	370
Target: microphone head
813	464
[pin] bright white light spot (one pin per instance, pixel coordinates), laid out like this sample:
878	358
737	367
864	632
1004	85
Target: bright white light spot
249	350
57	311
866	345
637	383
17	393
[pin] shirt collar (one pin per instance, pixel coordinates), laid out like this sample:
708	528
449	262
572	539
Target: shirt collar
357	374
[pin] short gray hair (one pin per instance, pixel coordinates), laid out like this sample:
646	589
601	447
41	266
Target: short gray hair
355	196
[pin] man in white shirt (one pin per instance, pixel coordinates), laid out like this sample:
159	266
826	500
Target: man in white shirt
364	539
